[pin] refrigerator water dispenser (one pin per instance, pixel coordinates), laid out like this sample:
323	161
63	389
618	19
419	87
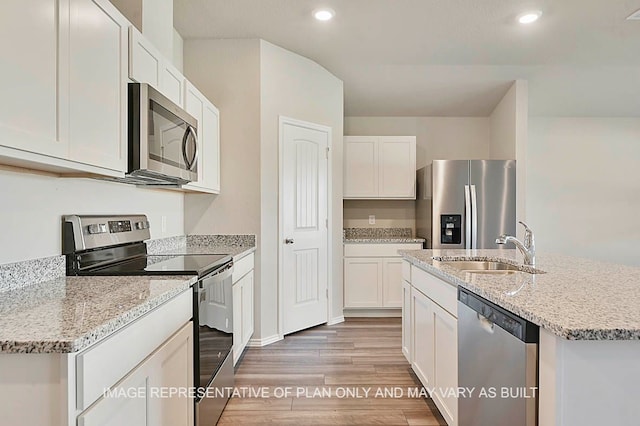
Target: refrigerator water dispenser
451	229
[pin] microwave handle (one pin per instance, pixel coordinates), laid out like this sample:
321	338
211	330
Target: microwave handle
194	140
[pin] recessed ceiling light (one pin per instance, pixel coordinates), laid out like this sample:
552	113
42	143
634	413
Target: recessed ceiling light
529	17
635	16
323	14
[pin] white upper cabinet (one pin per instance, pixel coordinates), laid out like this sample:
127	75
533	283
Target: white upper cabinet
29	112
208	118
97	69
380	167
147	65
64	86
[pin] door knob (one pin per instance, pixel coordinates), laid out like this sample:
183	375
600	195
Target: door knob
288	241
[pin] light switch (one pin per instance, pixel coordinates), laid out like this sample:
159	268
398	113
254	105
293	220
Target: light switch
372	219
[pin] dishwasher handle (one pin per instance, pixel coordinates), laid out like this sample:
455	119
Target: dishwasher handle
492	315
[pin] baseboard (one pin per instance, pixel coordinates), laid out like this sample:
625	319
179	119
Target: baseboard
336	320
258	343
372	312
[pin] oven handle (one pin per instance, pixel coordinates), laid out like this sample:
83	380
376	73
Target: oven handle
219	275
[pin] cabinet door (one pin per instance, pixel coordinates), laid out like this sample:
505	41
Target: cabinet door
29	111
144	59
210	148
392	283
406	320
446	361
97	69
208	118
247	308
237	321
172	83
170	366
397	171
360	167
422	337
362	282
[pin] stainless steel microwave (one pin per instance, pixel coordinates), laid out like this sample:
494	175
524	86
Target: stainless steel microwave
163	140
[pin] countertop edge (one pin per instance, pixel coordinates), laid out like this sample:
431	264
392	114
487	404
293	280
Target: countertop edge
99	333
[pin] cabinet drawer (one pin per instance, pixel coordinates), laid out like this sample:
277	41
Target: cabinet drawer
378	250
242	267
104	364
406	271
441	292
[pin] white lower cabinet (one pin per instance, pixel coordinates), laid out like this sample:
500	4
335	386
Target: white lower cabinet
242	305
137	400
373	275
406	320
430	320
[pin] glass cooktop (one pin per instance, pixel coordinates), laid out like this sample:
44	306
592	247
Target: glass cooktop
196	264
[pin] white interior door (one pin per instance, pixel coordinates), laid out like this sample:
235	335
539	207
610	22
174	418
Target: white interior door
304	241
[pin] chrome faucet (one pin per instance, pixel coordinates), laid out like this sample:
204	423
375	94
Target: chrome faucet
528	248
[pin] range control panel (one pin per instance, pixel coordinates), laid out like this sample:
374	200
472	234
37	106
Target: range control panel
90	232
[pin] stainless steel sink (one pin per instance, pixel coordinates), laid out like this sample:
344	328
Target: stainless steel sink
485	267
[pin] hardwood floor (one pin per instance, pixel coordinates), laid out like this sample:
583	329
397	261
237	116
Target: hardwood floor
329	375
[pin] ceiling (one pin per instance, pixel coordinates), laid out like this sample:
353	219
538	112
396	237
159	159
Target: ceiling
448	57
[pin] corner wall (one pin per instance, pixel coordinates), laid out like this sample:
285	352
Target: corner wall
583	186
296	87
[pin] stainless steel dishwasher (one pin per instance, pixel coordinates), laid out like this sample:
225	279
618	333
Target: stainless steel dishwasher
498	357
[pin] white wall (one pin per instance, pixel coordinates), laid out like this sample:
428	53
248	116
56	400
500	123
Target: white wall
583	186
296	87
33	205
157	24
508	139
178	51
252	82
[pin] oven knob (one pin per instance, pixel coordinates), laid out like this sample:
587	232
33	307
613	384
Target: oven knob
142	225
97	228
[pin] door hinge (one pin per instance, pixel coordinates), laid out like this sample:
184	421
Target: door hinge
327	153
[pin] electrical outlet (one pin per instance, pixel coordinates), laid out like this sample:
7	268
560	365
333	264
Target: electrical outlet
372	219
164	224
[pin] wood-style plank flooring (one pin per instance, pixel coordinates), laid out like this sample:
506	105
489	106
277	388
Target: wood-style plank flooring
318	367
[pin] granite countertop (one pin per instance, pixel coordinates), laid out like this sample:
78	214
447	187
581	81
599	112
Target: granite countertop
68	314
576	299
238	246
379	236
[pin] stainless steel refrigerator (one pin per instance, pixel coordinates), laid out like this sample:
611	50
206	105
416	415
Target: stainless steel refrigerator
466	203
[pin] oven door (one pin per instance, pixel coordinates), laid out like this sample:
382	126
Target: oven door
213	343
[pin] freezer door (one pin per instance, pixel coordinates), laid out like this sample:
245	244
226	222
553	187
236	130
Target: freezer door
494	183
449	180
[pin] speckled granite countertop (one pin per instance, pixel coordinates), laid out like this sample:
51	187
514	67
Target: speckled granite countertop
70	313
237	246
577	299
379	236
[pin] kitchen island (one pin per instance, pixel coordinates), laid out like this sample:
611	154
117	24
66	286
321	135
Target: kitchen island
589	318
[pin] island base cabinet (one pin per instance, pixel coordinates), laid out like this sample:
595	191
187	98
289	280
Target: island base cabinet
139	399
445	358
406	321
422	337
433	346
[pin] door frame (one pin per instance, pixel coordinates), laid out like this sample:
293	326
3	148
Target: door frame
282	121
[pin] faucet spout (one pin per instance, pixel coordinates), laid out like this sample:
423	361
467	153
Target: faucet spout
527	248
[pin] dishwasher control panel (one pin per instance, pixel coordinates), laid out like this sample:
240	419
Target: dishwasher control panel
508	321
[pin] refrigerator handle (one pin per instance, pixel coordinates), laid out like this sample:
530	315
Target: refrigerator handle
474	218
467	217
